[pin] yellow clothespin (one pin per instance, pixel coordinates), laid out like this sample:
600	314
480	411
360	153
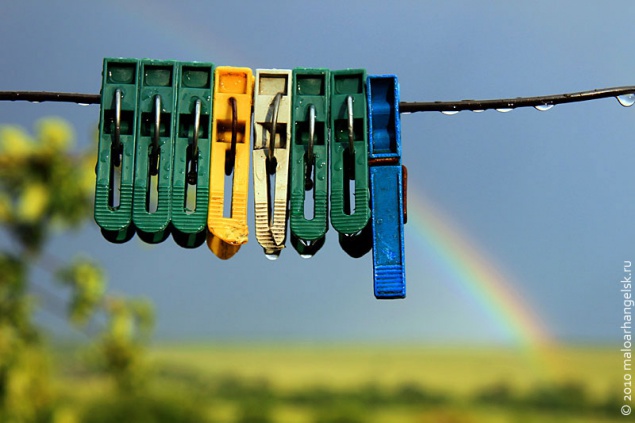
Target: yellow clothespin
231	127
272	115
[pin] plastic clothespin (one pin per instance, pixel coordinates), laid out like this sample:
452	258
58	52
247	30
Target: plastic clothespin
115	164
231	127
151	213
349	161
272	117
309	159
387	188
190	176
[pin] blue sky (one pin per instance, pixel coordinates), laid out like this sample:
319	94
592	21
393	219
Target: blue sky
548	196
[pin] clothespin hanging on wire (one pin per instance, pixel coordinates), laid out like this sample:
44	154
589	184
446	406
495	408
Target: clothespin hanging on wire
350	210
387	187
231	130
272	117
151	212
190	177
115	163
309	159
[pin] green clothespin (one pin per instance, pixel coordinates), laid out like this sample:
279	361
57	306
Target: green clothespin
349	161
190	173
151	213
309	159
115	164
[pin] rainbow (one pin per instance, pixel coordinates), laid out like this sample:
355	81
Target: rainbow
477	275
482	281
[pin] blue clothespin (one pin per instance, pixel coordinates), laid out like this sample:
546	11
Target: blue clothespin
386	187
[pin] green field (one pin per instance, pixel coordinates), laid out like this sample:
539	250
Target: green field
372	383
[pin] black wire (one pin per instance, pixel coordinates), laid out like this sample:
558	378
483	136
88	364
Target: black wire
404	106
513	103
41	96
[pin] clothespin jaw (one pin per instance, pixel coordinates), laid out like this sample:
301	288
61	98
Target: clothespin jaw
272	117
309	159
387	188
190	174
231	131
349	160
115	164
151	213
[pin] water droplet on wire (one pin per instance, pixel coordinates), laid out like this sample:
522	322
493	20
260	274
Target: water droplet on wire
543	107
478	110
626	100
504	109
449	112
306	256
272	256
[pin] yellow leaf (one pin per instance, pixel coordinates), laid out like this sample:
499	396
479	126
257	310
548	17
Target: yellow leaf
122	326
33	203
55	134
15	142
87	175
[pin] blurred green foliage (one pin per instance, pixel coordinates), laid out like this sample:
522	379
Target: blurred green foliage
257	399
141	408
42	186
47	186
